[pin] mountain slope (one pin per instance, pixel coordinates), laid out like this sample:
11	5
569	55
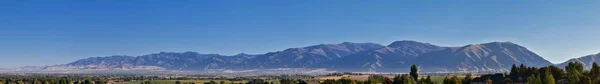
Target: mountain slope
495	56
585	60
395	57
289	58
398	55
168	60
307	56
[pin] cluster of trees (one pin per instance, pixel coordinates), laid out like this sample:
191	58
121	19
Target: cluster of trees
576	74
542	75
457	80
573	73
411	78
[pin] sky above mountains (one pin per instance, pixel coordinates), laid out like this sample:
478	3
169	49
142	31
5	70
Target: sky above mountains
50	32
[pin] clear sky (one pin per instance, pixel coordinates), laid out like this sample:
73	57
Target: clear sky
49	32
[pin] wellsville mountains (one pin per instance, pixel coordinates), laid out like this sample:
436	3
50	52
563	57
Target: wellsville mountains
353	57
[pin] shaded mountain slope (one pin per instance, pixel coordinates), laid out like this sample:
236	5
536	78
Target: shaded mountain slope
495	56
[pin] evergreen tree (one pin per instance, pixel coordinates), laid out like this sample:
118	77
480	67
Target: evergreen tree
595	71
414	72
557	72
522	70
514	70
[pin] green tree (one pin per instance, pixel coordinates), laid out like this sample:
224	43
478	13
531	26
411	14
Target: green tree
522	69
557	72
414	72
408	80
88	81
514	70
548	78
452	80
376	79
574	72
595	71
534	80
585	80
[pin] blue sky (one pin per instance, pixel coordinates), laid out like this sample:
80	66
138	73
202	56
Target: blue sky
49	32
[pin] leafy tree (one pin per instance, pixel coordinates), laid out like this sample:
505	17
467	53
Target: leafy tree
574	72
585	80
548	78
557	72
414	72
534	80
403	79
424	80
452	80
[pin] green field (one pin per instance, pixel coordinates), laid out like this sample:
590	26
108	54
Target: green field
438	79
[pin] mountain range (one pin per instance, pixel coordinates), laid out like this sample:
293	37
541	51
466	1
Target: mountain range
356	57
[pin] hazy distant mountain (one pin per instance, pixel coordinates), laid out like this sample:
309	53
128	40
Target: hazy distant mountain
396	57
495	56
168	60
289	58
586	60
307	56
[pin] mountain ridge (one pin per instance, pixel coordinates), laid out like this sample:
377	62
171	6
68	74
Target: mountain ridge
346	56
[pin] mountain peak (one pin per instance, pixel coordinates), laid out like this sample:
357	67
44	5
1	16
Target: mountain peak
347	43
242	54
498	42
408	43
